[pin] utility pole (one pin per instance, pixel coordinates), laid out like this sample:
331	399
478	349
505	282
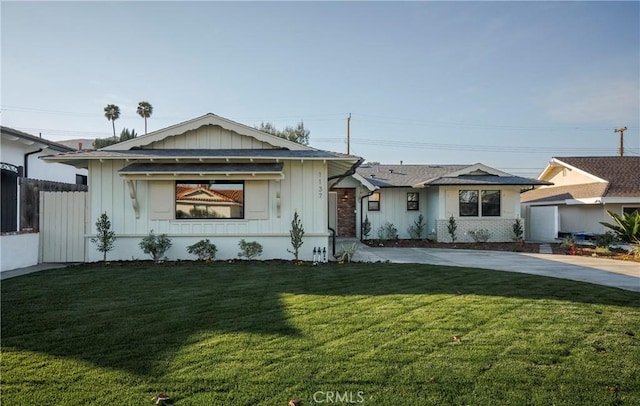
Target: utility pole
349	134
621	131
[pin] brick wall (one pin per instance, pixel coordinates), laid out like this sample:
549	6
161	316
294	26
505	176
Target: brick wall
501	229
346	212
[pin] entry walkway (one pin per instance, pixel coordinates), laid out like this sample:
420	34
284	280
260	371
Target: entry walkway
601	271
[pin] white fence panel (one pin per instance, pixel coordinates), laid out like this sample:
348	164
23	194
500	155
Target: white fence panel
543	223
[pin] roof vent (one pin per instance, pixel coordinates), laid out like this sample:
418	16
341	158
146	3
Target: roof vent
390	170
373	175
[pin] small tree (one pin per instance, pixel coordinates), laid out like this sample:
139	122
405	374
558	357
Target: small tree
518	231
105	237
452	227
366	227
296	232
417	228
155	245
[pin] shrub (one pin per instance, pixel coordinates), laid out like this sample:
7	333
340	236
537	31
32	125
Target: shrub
296	232
347	253
204	250
417	228
518	231
605	240
155	245
249	250
366	227
105	237
482	235
387	232
627	227
451	228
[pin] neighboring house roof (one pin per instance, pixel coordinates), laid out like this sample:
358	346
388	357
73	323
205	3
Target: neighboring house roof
28	139
418	176
611	178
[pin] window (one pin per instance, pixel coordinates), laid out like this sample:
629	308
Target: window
630	210
468	201
209	199
490	203
374	202
413	201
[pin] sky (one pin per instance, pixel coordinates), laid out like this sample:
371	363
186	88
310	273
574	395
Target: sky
508	84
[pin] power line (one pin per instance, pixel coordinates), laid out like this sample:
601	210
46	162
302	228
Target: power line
463	147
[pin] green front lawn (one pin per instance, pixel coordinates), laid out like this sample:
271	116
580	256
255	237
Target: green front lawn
263	333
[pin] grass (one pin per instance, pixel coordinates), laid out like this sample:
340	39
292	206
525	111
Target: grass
263	333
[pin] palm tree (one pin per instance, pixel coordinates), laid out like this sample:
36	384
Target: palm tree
112	113
145	110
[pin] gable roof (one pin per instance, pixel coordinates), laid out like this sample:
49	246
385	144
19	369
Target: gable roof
418	176
207	119
612	177
272	149
621	172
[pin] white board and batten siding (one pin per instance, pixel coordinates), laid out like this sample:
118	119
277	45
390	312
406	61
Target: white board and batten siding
209	137
269	209
62	226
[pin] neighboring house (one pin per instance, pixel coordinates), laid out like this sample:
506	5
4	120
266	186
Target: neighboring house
477	196
210	178
20	166
584	188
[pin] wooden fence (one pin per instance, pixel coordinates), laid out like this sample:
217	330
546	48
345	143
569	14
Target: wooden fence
62	226
30	198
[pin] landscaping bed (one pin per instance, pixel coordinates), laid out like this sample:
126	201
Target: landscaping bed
557	248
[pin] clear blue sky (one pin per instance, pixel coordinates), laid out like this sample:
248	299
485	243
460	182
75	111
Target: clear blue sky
509	84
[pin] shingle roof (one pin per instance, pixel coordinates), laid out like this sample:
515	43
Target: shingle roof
483	180
433	175
404	175
622	173
204	153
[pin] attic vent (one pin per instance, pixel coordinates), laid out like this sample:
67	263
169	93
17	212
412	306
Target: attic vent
479	172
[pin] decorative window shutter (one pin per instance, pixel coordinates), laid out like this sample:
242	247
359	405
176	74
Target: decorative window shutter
256	200
161	199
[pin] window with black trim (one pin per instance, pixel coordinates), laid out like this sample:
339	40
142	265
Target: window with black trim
468	203
413	201
374	202
490	203
214	199
475	203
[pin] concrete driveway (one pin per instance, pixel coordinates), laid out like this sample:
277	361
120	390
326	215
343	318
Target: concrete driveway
601	271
